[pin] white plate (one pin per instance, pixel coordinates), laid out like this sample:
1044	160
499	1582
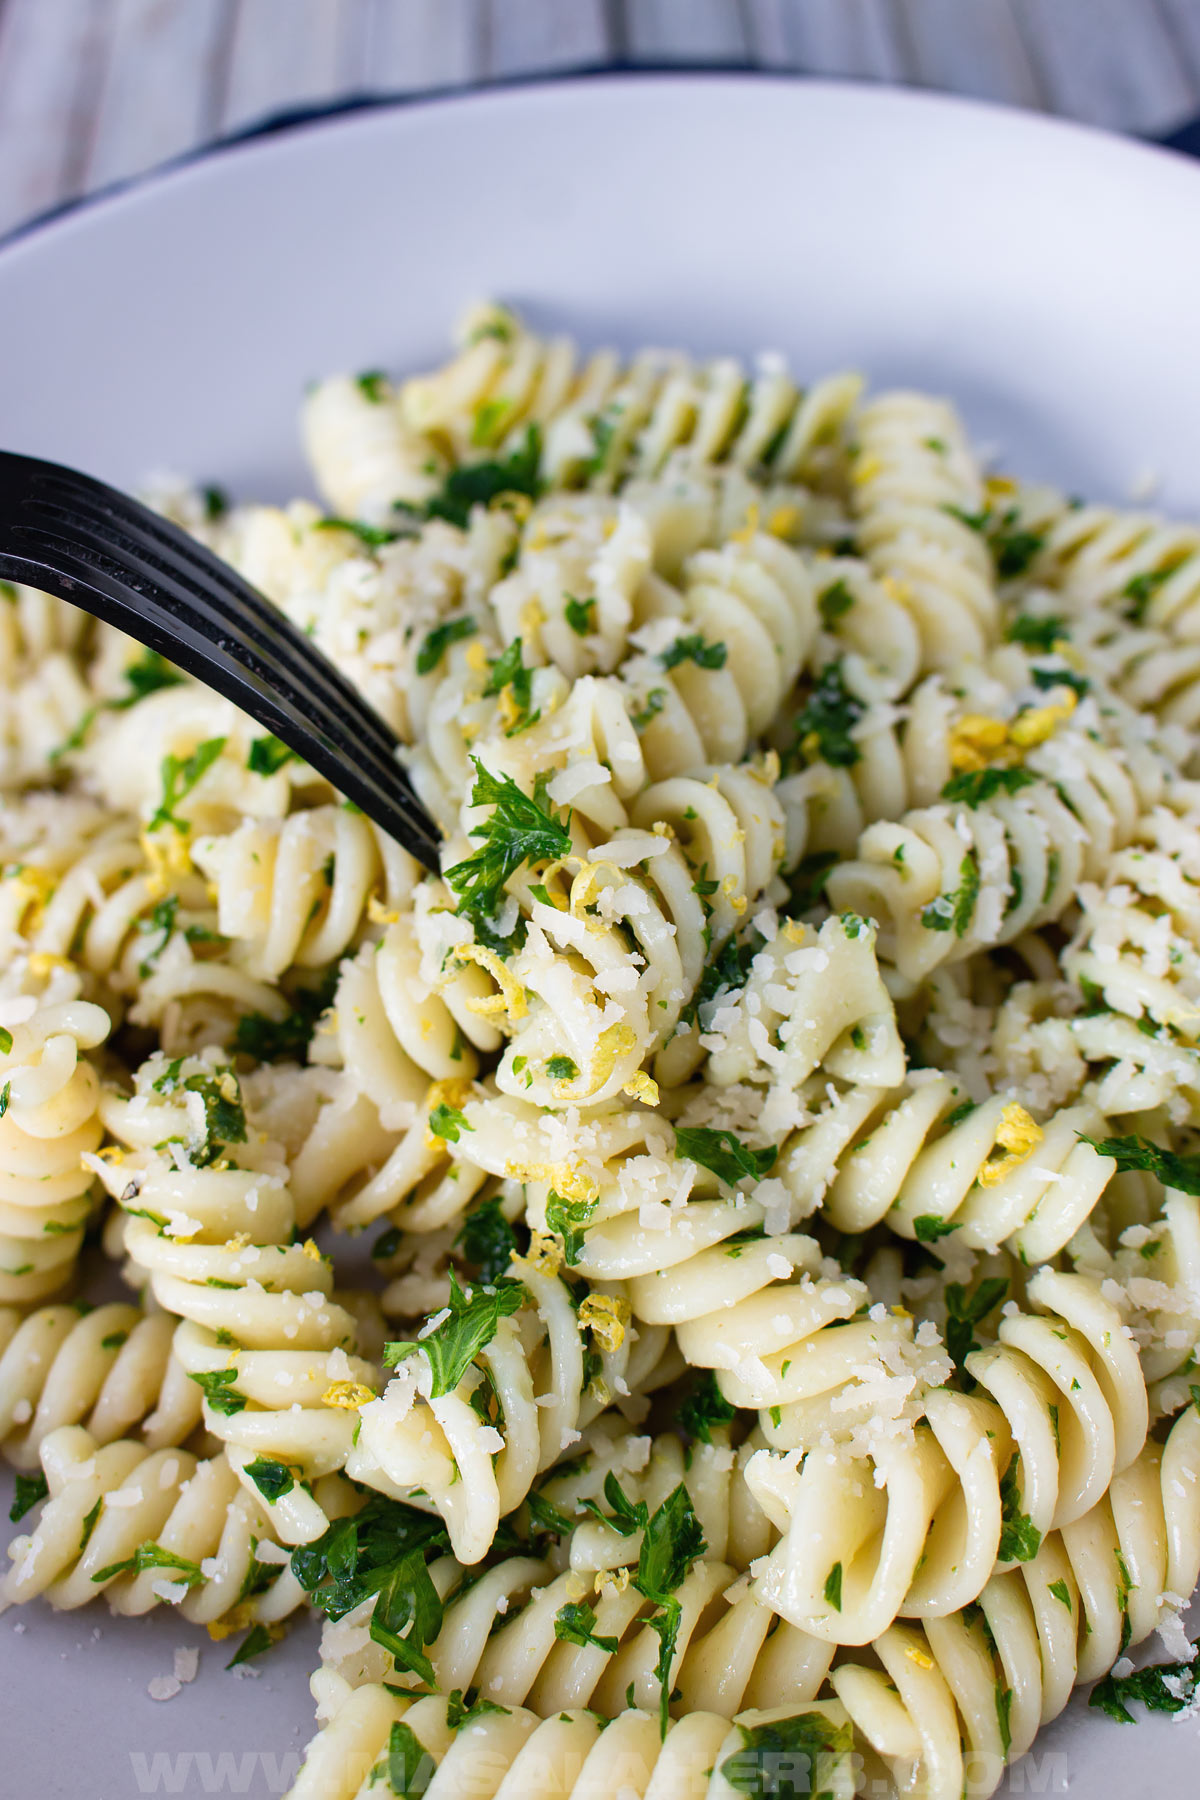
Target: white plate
1044	275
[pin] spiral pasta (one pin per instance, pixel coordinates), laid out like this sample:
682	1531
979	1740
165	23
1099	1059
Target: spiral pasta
774	1121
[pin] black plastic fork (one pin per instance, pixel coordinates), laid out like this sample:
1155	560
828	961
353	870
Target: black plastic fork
91	545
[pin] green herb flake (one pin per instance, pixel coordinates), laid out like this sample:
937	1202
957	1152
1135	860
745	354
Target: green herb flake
268	755
693	649
1165	1688
439	640
575	1623
824	726
568	1220
1020	1540
1036	633
578	614
479	484
561	1068
153	1556
833	1587
29	1491
973	786
518	831
1061	1592
272	1479
964	1311
955	910
371	537
257	1641
834	603
372	385
180	775
488	1241
470	1326
219	1391
929	1227
704	1408
722	1153
788	1759
1180	1172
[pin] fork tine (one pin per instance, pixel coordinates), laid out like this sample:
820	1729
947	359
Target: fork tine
159	550
74	537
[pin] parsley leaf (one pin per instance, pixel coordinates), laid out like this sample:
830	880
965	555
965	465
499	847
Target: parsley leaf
824	724
370	536
488	1241
964	1311
179	776
568	1220
806	883
508	671
257	1641
973	786
578	615
460	1709
834	603
352	1559
1038	634
470	1326
1150	1687
153	1556
439	641
447	1122
955	910
1141	589
575	1623
1020	1540
517	832
705	1407
694	649
371	384
833	1587
224	1114
1054	678
408	1614
410	1768
929	1227
30	1489
268	755
286	1039
219	1391
1181	1172
672	1540
722	1153
781	1759
272	1479
478	484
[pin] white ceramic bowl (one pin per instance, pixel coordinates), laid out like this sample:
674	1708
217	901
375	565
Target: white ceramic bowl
1044	275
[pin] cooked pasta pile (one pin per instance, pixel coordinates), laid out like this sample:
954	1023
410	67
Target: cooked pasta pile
774	1125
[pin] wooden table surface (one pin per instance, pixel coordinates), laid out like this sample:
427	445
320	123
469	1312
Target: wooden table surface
95	91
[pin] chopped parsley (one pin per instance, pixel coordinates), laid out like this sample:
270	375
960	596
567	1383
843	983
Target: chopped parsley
578	614
575	1623
461	1709
1036	633
224	1114
518	831
833	1587
806	883
1141	589
835	603
371	537
1165	1687
561	1068
488	1241
478	484
825	723
409	1767
1020	1540
929	1227
272	1479
1045	679
788	1759
653	704
1181	1172
973	786
508	671
705	1407
568	1220
29	1491
955	910
371	384
1013	547
722	1153
257	1641
277	1040
219	1391
469	1326
448	1122
964	1311
693	649
153	1556
268	755
439	640
179	776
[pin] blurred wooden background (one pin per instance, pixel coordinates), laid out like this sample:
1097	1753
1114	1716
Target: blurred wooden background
95	91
